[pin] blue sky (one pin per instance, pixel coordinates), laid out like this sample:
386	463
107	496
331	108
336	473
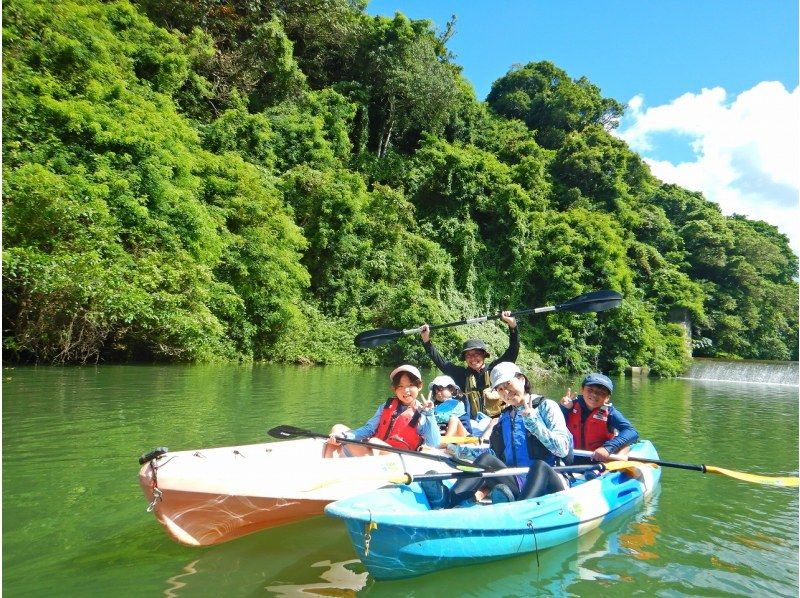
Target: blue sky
712	85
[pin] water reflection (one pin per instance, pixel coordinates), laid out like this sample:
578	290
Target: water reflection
340	581
175	582
74	520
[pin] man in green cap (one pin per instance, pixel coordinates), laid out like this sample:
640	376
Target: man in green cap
474	377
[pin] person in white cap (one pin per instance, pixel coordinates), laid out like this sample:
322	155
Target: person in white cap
401	421
451	408
530	432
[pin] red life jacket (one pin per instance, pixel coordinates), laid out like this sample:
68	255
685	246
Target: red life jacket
397	427
594	432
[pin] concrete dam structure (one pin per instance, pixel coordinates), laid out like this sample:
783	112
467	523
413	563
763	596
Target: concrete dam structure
785	373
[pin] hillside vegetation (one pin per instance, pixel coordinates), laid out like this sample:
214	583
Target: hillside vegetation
207	180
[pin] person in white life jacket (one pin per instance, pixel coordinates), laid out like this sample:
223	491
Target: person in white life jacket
400	421
595	424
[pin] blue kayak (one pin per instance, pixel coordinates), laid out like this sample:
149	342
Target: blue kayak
396	534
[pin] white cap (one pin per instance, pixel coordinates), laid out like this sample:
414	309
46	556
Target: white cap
410	369
443	381
503	372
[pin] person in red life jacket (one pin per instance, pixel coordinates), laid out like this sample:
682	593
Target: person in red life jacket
401	421
596	425
474	378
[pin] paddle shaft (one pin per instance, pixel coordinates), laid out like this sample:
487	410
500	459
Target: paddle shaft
407	478
690	466
599	304
780	481
595	301
478	320
292	432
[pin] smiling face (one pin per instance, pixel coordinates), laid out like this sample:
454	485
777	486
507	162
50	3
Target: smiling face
442	393
513	391
406	390
594	395
475	358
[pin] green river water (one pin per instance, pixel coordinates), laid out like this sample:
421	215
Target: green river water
74	520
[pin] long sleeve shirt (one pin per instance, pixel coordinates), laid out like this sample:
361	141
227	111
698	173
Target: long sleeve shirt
427	428
459	372
547	423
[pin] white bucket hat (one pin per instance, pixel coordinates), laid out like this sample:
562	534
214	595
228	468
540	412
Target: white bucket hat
409	369
503	372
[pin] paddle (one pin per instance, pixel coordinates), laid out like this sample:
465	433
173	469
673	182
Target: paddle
589	302
407	478
787	482
288	432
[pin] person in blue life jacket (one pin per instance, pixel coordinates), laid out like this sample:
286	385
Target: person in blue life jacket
530	432
401	421
473	377
595	424
451	408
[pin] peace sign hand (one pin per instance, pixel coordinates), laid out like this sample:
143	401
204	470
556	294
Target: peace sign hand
568	399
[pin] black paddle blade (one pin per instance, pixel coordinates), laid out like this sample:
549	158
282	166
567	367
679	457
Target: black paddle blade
288	432
592	302
374	338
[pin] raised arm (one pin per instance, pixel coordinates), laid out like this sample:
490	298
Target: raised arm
437	358
512	352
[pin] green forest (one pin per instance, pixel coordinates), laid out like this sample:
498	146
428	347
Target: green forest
208	180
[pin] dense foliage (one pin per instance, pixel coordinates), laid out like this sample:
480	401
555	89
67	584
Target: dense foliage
261	180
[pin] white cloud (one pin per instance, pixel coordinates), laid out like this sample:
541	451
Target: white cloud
746	152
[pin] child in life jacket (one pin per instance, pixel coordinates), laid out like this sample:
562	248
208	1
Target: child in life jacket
596	425
530	432
401	421
451	408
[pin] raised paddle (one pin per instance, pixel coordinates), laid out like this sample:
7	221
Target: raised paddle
786	481
589	302
288	432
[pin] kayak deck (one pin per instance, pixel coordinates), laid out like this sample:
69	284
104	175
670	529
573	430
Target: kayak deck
213	495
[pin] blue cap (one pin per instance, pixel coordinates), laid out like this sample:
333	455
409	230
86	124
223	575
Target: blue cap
599	380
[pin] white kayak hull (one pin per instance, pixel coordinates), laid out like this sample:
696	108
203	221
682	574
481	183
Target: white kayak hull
214	495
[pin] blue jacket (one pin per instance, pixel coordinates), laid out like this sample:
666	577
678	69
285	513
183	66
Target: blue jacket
519	440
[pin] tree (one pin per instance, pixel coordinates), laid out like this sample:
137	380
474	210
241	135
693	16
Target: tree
550	103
